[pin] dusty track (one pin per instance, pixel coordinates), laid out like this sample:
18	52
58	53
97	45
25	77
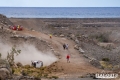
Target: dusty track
78	64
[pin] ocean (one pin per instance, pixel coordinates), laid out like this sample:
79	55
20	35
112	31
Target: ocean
61	12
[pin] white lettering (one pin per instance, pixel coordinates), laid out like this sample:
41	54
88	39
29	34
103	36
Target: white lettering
106	75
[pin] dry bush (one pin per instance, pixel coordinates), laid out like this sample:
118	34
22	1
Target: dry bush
19	64
26	66
102	37
105	59
10	56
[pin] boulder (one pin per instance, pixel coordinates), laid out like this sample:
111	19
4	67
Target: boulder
62	35
81	50
4	73
14	32
76	47
107	45
33	30
5	70
72	36
76	41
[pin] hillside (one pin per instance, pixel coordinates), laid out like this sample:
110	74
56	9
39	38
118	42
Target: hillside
100	43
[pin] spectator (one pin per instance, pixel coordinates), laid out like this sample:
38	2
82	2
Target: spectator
68	57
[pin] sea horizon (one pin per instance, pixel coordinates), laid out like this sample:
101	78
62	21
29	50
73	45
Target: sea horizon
61	12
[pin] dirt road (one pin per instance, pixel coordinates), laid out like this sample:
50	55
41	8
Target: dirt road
78	64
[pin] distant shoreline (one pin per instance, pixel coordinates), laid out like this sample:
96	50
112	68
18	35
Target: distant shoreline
61	18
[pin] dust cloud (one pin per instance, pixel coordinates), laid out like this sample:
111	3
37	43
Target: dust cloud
28	53
4	49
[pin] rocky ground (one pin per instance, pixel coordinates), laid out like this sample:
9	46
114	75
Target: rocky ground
93	43
97	37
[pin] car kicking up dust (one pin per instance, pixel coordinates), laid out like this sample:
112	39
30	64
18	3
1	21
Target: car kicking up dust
29	53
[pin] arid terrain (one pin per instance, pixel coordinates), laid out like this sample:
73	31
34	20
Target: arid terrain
93	44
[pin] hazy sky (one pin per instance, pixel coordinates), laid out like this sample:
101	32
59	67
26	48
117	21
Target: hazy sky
60	3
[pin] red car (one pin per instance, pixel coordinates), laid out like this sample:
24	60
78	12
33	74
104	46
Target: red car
19	28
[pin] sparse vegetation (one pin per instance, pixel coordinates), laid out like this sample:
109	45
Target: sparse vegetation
28	70
37	78
105	59
106	65
102	37
19	64
11	54
81	76
26	66
55	77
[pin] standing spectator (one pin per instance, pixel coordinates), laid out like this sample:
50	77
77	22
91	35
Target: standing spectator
67	46
64	46
2	27
68	57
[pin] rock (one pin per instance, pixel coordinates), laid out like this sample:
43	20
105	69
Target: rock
107	45
85	56
52	49
81	50
77	41
72	36
55	35
76	47
33	30
57	53
49	45
62	35
5	70
14	32
15	36
8	30
23	78
92	59
4	73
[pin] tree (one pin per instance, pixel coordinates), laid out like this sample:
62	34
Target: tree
11	54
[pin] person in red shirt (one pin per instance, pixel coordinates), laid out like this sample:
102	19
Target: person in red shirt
68	57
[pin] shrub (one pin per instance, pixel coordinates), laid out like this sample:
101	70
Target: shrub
24	73
11	54
27	66
45	75
38	77
102	38
13	71
81	76
105	59
19	64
